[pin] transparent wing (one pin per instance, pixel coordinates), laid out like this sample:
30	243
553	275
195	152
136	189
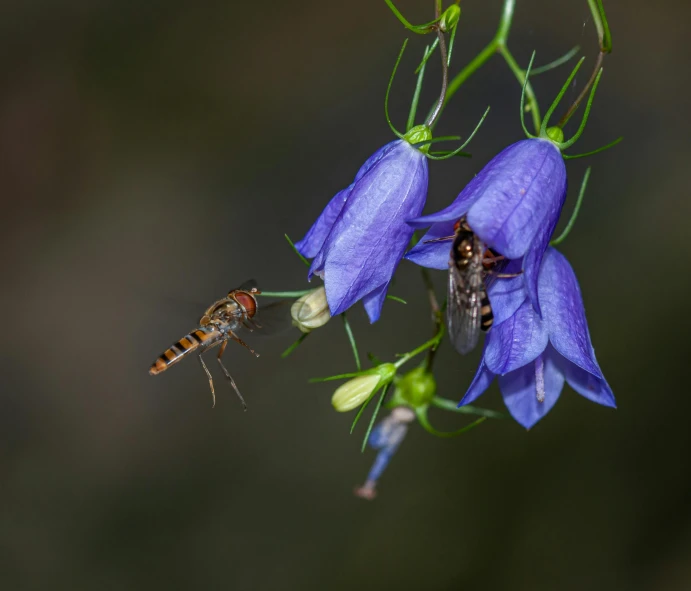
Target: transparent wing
463	312
271	319
247	285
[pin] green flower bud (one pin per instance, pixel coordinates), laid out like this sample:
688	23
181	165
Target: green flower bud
311	310
555	134
354	392
416	388
417	134
450	18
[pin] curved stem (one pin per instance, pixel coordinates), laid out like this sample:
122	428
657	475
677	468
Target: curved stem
434	115
521	77
421	413
572	109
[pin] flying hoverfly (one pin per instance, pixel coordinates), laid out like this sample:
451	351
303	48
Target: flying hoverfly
220	323
468	307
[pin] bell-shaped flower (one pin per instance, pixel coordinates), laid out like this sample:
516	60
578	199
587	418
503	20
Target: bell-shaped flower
360	237
514	202
532	356
512	205
385	438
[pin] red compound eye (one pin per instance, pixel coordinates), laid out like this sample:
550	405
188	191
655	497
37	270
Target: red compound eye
247	302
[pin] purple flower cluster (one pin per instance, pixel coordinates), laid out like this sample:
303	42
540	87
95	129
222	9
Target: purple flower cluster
539	338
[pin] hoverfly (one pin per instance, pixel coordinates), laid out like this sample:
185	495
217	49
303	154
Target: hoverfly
469	310
217	326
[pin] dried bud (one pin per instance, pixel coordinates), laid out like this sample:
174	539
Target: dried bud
311	310
354	392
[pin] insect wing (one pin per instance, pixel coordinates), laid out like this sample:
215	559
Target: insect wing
248	285
463	313
271	319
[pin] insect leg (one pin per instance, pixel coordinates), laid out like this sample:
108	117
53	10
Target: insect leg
243	343
504	275
208	375
493	259
227	374
443	239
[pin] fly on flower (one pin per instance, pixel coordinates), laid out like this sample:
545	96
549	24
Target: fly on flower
219	324
470	263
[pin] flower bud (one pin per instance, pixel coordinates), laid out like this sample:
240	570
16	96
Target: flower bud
354	392
450	18
311	310
555	134
417	134
416	388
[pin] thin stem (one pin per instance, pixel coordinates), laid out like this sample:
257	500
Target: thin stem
574	106
359	412
592	152
351	340
521	76
497	45
297	252
434	115
294	346
433	342
421	413
576	209
374	417
388	91
285	294
418	89
557	62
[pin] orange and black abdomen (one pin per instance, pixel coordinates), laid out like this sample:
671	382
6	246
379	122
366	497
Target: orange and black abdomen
187	344
486	314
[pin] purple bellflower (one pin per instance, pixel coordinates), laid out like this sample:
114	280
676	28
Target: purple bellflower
514	202
513	205
532	356
360	237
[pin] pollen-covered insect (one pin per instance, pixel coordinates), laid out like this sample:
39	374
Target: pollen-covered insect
217	326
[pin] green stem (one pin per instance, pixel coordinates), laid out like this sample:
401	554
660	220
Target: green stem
285	294
497	45
433	342
520	76
421	413
351	340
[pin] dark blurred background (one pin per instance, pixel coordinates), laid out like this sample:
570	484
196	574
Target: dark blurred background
154	153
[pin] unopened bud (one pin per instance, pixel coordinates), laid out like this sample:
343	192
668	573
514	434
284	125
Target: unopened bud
311	310
354	392
416	388
450	18
556	134
417	134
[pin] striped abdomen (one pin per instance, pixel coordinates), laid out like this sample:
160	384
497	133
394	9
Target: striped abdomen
486	315
187	344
